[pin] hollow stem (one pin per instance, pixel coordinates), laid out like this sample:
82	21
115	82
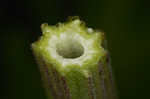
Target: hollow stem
73	62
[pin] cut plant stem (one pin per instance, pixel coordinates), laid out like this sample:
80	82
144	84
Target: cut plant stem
73	62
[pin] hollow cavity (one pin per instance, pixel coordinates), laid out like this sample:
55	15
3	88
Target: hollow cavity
69	48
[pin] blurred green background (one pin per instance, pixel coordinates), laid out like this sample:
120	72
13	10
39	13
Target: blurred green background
125	22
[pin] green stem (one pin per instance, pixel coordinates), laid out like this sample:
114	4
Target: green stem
73	62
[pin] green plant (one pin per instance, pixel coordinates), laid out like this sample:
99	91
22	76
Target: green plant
73	62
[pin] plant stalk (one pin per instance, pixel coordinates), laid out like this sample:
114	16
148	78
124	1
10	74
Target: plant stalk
73	62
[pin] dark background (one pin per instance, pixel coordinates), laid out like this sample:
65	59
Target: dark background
125	22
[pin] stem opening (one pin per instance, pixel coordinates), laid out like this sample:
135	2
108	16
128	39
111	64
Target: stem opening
69	48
